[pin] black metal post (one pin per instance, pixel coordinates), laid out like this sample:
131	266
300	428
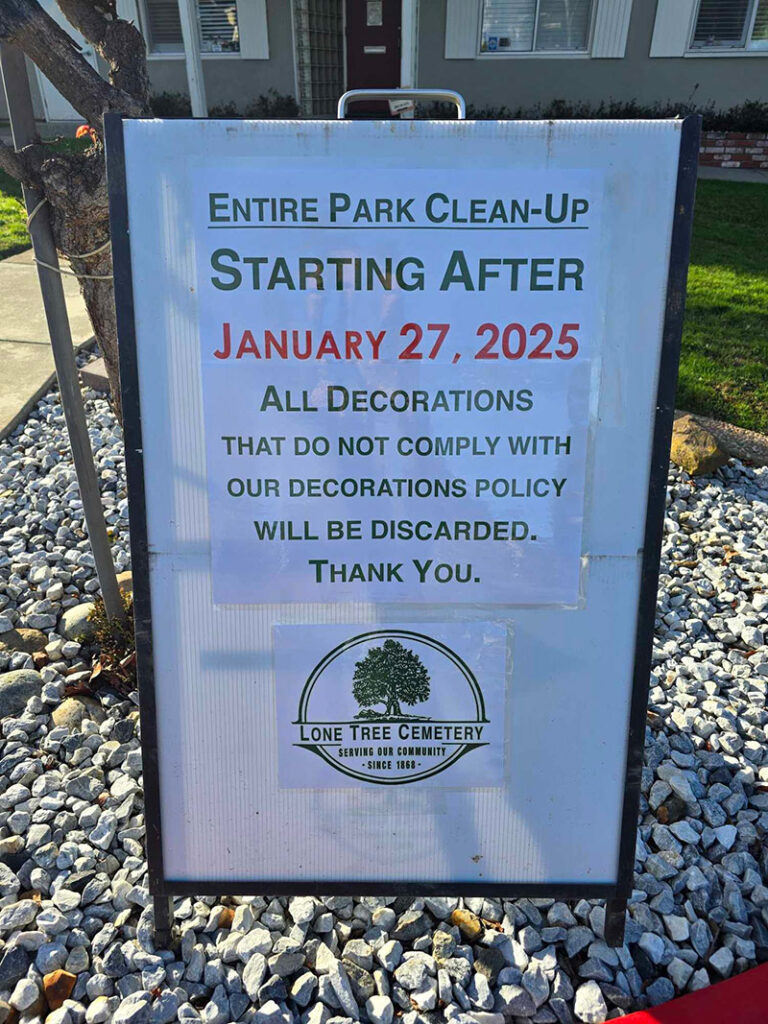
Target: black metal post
615	918
163	906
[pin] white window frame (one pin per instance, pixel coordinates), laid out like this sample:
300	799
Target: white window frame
174	54
723	51
584	54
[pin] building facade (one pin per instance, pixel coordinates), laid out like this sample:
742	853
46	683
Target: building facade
518	54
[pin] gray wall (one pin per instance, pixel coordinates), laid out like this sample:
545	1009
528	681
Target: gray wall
232	80
526	82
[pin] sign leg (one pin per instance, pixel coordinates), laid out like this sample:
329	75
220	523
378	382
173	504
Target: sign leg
615	916
14	75
164	919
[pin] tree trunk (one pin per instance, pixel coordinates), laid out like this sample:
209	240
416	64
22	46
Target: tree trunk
393	708
75	186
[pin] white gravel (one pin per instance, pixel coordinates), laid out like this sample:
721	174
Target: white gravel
73	874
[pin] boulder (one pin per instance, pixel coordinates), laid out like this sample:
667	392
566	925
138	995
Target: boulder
28	641
694	449
71	712
74	624
16	688
736	442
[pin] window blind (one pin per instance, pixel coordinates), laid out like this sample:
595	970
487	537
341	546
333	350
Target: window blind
526	25
722	23
508	25
164	26
563	25
218	26
759	40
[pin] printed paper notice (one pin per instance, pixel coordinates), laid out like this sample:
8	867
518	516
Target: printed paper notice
396	375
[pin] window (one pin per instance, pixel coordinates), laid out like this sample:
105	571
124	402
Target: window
217	21
216	24
526	26
731	25
163	27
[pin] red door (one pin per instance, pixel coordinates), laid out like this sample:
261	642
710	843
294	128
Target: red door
373	49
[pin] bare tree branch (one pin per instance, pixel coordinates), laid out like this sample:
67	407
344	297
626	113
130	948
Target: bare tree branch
25	24
119	42
89	18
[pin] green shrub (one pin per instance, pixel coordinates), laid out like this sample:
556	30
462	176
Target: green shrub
750	116
171	104
224	110
116	662
113	637
271	104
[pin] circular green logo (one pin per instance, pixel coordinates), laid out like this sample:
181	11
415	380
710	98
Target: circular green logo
391	706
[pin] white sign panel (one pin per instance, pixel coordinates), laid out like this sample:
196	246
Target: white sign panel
390	392
396	381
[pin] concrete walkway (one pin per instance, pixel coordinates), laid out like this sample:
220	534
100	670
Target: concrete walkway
752	177
26	360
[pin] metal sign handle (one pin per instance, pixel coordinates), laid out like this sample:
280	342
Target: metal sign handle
403	94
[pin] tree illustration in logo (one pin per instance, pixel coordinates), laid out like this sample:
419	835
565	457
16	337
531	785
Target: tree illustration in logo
389	675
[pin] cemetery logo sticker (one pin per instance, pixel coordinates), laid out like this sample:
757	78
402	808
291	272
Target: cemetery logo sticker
391	706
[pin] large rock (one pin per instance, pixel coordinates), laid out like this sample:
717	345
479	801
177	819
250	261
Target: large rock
694	449
74	624
16	688
736	442
73	710
28	641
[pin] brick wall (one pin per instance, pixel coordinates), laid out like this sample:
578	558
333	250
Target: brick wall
748	150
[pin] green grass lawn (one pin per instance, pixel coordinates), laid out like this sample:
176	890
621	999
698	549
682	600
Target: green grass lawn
724	365
13	231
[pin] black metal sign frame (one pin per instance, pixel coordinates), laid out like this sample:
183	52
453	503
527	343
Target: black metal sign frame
617	893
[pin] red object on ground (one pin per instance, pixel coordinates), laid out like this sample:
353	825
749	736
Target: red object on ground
741	1000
